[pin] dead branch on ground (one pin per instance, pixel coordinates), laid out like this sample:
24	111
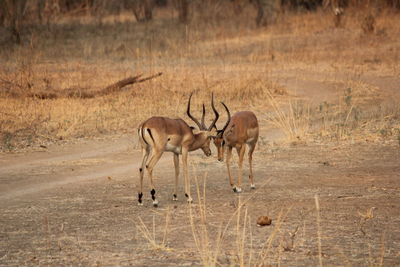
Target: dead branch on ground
76	92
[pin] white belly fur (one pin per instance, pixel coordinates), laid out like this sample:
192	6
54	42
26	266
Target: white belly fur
250	140
172	148
252	132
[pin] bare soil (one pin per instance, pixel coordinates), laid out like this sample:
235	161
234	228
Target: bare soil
78	206
75	204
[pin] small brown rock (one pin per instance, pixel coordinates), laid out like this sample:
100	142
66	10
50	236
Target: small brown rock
263	220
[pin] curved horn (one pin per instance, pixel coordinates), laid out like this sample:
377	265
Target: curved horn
229	117
190	116
203	125
215	112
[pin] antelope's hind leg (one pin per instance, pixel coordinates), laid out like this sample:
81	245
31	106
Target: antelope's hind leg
146	153
156	155
251	177
176	165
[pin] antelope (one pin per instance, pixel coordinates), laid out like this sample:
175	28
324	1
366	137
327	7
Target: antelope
240	130
160	134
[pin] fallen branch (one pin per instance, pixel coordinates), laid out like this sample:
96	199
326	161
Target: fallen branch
118	85
122	83
79	92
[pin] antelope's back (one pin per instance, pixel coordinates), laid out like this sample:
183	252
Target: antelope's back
247	118
244	126
164	129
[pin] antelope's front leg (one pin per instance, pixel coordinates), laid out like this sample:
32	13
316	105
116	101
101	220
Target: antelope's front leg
228	165
186	174
176	164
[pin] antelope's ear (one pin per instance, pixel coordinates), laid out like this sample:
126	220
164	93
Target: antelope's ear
213	132
195	130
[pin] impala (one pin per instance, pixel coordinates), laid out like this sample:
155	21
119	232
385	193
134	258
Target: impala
159	134
240	130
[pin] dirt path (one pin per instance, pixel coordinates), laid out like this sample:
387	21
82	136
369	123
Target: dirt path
89	216
29	174
76	205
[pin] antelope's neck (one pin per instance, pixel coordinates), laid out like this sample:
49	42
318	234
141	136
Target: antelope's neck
198	142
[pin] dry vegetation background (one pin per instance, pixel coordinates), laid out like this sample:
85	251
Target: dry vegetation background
321	75
219	48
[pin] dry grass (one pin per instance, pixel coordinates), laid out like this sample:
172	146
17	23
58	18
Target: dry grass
229	241
207	250
150	235
216	247
238	62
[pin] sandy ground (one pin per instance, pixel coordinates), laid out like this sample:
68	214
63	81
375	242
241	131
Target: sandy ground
75	204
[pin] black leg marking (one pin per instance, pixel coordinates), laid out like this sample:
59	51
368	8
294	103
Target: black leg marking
140	169
175	196
147	166
151	135
153	193
140	195
234	189
186	195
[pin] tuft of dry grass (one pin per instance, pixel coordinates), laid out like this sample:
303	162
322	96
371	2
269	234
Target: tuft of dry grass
293	119
150	235
211	245
207	250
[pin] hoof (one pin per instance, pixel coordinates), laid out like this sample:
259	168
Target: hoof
189	198
155	203
140	199
253	186
237	190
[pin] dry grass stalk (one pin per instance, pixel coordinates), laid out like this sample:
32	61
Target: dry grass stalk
150	237
294	123
382	256
364	218
266	249
241	236
318	229
208	253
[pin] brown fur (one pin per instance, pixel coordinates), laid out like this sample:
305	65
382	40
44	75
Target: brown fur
159	134
242	130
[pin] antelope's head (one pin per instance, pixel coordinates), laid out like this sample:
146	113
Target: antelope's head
219	141
204	134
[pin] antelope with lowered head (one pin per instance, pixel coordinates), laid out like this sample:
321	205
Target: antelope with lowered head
240	130
160	134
